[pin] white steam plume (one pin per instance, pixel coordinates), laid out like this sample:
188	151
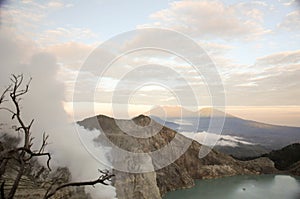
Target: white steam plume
44	103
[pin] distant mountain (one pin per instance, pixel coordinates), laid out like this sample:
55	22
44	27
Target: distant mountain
178	111
268	136
210	112
171	111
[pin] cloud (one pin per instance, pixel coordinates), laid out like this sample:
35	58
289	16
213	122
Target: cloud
16	50
246	84
271	77
61	34
71	57
29	15
215	49
291	22
289	2
71	54
281	58
22	19
55	4
52	4
209	139
210	19
139	68
30	18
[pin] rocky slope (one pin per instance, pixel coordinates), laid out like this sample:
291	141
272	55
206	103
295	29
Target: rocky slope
181	173
287	159
294	169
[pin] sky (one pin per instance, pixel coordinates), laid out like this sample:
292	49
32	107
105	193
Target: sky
254	46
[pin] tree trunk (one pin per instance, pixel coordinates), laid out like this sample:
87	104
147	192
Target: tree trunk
17	180
3	166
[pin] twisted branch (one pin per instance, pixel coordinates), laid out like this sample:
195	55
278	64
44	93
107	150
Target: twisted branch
105	176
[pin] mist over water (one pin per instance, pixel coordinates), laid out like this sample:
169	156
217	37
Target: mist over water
246	187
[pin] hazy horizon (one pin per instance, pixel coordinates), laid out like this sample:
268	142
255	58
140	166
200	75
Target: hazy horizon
282	116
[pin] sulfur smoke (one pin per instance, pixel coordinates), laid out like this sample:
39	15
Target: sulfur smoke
44	103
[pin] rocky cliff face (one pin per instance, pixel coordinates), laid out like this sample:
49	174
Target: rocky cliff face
179	173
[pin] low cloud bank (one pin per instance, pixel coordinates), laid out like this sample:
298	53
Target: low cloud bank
209	139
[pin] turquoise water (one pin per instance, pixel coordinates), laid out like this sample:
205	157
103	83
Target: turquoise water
242	187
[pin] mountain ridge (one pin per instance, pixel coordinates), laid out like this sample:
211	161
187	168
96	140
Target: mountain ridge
270	136
178	111
178	174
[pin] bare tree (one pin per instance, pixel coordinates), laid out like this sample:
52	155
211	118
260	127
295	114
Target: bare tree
25	153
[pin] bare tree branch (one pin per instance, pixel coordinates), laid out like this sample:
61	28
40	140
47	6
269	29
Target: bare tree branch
22	154
2	97
9	110
32	154
44	142
8	154
105	176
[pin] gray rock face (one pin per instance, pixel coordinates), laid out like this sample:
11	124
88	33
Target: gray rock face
180	173
143	185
